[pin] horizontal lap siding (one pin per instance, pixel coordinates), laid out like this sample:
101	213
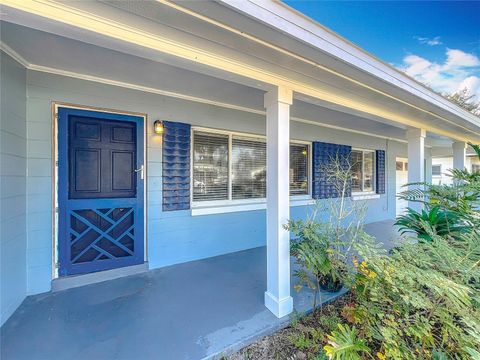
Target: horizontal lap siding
173	236
13	185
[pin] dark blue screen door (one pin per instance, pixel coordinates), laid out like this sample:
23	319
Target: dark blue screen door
100	193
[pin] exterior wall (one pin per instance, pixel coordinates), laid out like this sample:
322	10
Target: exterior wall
472	160
13	160
176	236
447	164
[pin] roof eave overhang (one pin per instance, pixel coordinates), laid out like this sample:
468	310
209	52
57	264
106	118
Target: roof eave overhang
120	32
295	24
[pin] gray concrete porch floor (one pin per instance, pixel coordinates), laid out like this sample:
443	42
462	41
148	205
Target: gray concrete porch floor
194	310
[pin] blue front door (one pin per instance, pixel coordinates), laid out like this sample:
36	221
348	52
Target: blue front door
100	191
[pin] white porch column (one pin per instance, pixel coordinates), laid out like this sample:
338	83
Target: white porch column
416	160
428	166
459	154
277	297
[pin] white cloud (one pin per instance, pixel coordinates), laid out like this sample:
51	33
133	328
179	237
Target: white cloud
460	70
429	41
458	58
472	83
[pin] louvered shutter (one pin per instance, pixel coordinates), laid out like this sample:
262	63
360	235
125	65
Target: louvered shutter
176	166
380	176
323	153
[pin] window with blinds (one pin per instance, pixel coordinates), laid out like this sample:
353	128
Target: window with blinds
357	176
210	166
228	166
368	170
298	169
437	170
363	170
249	168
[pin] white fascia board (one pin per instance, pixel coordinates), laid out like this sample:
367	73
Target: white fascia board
107	32
287	20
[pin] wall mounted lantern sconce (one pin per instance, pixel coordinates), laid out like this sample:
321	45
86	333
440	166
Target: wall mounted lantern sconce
158	127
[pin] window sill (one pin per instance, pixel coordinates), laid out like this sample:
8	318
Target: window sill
261	205
366	196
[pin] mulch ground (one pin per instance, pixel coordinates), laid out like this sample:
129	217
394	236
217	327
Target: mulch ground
302	340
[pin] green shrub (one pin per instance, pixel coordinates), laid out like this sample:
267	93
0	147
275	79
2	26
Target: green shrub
422	301
323	249
441	221
344	344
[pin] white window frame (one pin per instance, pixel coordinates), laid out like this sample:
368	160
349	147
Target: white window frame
374	177
231	205
437	175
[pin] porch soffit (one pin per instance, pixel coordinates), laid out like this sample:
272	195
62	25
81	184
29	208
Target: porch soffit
38	51
291	29
151	39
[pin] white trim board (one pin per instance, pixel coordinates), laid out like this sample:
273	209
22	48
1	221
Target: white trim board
80	76
69	282
131	35
299	26
262	205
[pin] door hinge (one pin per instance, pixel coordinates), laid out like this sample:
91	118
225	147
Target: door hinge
56	116
56	163
56	210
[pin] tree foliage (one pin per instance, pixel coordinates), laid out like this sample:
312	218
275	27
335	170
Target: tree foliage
465	100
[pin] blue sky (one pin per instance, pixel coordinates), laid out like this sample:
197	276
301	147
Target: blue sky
438	42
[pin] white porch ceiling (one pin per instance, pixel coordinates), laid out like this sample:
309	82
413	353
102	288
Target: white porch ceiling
53	53
94	54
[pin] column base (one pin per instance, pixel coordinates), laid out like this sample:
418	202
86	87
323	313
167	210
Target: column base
279	307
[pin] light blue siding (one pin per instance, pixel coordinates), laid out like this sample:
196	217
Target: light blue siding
13	160
176	236
186	238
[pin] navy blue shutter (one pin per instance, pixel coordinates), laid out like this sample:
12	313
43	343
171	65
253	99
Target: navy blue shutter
176	166
380	166
323	153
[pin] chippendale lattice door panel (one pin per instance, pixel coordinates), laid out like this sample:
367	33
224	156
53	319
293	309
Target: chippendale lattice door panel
100	191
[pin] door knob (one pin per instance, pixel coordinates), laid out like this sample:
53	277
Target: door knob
140	170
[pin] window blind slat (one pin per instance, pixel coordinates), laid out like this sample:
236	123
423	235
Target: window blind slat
357	174
363	170
248	157
210	167
249	168
298	169
368	159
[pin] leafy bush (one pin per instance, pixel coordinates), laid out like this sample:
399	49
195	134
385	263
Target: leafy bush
310	248
344	344
441	221
323	249
423	300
